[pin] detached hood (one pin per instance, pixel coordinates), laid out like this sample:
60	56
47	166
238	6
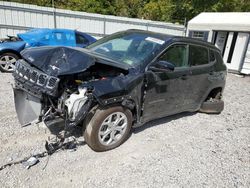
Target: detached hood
56	61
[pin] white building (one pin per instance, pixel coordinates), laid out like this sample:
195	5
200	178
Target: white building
230	32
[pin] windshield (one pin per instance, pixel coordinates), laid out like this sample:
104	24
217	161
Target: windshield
129	48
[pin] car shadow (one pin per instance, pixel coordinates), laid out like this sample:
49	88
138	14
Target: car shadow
57	125
160	121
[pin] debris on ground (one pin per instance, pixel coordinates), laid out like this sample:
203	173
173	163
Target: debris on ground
30	162
51	146
27	161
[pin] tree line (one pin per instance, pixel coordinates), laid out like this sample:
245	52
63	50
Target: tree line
175	11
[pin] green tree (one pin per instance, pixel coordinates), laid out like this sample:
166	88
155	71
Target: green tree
129	8
160	10
190	8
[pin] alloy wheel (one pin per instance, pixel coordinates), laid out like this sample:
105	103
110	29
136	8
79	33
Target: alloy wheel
7	62
113	128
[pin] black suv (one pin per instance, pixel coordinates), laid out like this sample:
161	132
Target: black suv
118	82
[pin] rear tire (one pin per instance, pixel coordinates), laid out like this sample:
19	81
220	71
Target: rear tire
213	106
7	60
108	128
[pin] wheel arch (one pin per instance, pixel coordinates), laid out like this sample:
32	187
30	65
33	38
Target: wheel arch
10	51
215	93
210	92
130	104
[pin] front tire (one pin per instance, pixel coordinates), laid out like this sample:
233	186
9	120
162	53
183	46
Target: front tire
108	128
7	61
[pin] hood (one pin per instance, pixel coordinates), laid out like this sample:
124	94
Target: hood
56	61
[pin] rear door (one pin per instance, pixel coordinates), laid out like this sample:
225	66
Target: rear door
202	69
166	91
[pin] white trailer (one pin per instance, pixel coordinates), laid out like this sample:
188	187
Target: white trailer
230	32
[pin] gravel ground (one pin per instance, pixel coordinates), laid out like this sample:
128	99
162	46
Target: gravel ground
186	150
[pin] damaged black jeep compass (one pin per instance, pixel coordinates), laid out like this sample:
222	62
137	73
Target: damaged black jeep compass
119	82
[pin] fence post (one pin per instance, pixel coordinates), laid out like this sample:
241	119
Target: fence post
185	27
54	13
104	26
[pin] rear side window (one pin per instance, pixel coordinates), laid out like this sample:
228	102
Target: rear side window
219	58
198	55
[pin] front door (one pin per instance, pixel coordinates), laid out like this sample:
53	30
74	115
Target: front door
165	92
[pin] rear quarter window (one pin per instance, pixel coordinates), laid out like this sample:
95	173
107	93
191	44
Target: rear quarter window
198	55
211	56
219	61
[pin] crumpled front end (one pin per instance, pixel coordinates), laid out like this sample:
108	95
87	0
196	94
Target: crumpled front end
30	87
43	96
38	97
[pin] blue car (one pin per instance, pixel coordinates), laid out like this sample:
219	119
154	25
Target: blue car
11	47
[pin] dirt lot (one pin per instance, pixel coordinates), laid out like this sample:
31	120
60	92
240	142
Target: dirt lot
186	150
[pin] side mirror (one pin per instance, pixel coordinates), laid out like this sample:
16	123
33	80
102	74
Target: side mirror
162	66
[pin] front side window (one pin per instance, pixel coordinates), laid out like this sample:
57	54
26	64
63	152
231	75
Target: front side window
198	55
128	48
177	55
